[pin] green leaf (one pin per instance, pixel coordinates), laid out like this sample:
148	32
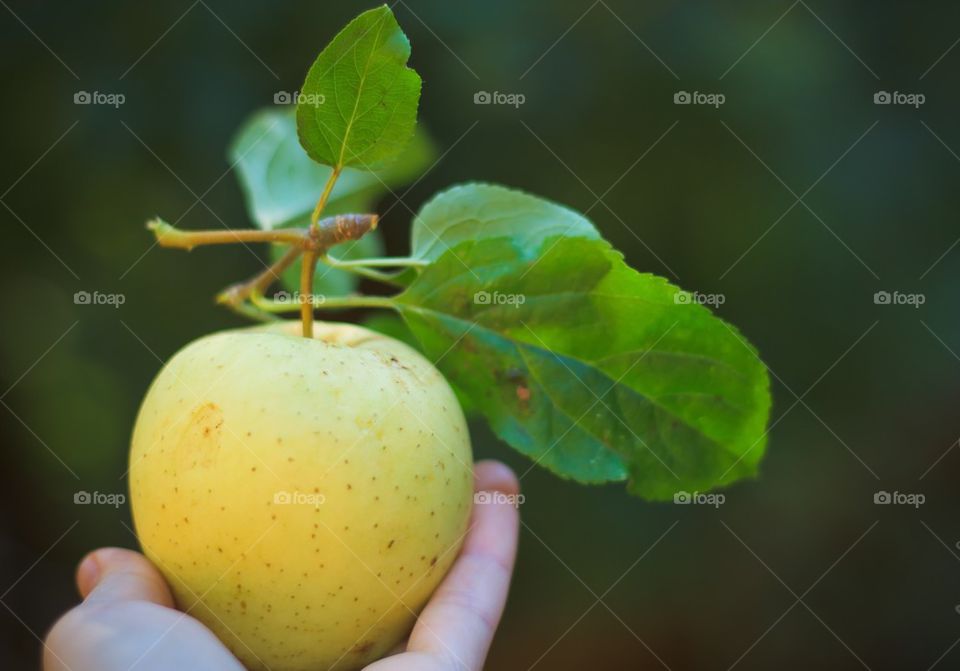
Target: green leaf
282	184
476	210
592	369
358	104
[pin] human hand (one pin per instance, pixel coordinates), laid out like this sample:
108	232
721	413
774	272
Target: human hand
128	621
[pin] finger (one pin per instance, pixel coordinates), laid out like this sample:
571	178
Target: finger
492	475
115	574
459	622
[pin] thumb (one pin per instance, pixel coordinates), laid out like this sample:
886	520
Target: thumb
115	574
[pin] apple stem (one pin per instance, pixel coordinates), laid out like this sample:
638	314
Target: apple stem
307	269
385	262
324	303
312	243
324	197
237	293
361	269
170	236
251	311
329	231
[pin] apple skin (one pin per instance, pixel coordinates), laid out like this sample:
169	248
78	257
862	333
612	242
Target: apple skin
302	497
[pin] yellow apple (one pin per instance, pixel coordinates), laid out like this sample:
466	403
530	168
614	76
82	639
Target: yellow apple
303	497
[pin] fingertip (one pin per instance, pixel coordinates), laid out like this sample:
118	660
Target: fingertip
98	562
117	574
491	475
92	567
88	574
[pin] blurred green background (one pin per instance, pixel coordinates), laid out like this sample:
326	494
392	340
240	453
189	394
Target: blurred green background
798	568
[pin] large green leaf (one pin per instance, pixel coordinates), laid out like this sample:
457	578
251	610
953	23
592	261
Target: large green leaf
358	104
594	370
476	210
282	184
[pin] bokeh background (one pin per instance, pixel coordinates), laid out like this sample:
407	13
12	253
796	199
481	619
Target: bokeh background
797	199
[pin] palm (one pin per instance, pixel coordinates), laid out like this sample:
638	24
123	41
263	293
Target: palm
127	619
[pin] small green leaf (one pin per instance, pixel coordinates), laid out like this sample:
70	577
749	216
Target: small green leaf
281	183
594	370
358	105
476	210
